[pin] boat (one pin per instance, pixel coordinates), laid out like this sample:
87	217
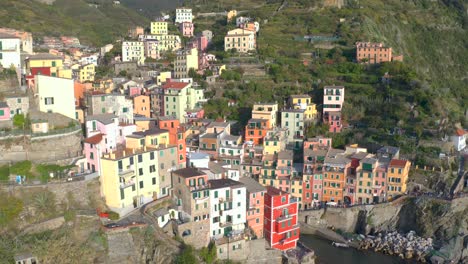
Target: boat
342	245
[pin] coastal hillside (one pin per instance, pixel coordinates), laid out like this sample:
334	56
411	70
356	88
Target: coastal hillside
93	22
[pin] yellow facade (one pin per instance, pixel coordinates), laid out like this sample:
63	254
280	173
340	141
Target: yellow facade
87	73
159	28
304	102
271	146
148	139
162	77
267	111
397	177
168	42
52	62
129	178
231	14
65	73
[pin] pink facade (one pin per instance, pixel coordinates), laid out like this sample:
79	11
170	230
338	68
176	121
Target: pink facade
193	115
334	121
255	213
379	186
4	111
202	43
186	28
132	91
93	147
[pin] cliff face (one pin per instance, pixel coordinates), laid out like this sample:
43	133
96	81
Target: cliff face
446	222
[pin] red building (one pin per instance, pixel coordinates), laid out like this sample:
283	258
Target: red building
256	130
281	224
176	136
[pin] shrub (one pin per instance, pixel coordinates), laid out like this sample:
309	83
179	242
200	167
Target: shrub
113	215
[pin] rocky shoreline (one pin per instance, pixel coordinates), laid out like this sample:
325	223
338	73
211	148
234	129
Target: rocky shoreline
409	246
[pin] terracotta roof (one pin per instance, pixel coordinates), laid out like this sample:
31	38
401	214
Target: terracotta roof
460	132
94	139
175	85
398	163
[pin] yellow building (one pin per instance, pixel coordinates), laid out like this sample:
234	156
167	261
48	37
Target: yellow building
44	60
129	178
159	28
66	73
150	138
267	111
304	102
168	42
84	73
162	77
397	177
185	60
275	141
242	40
365	175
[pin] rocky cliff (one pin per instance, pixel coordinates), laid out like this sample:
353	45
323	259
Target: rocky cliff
444	221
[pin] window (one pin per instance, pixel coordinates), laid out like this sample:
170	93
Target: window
154	180
91	155
151	155
2	112
152	168
141	184
49	101
140	158
216	194
140	171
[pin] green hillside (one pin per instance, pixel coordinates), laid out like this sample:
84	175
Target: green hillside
71	18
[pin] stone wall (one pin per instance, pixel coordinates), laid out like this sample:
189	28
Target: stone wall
199	233
234	250
41	150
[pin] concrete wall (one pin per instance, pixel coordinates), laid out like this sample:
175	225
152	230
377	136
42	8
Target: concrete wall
50	149
236	251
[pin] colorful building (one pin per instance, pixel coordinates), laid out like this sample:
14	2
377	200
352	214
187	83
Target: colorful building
369	52
84	73
179	97
4	111
129	178
141	105
293	119
305	103
242	40
333	98
335	172
397	177
267	111
158	28
44	64
256	130
185	60
186	28
55	95
183	15
255	205
176	137
281	219
117	104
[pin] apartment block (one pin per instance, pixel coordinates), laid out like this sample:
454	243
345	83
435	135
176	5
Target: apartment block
185	60
180	97
242	40
267	111
117	104
256	130
133	51
129	178
281	219
158	28
228	207
304	102
10	51
372	53
397	177
255	205
43	64
141	105
55	95
183	15
84	73
186	28
293	119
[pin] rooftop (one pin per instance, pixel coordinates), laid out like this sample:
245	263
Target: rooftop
300	96
256	120
252	185
274	191
161	212
120	153
398	163
44	56
198	155
216	167
285	154
218	124
7	36
175	85
153	131
103	118
94	139
223	183
188	172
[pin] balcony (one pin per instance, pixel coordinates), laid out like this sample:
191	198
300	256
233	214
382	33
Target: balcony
129	172
284	218
127	184
225	224
198	187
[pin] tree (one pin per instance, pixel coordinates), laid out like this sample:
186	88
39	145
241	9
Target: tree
19	121
208	254
187	256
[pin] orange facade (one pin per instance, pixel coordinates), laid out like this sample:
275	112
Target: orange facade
255	213
256	130
372	52
141	105
176	137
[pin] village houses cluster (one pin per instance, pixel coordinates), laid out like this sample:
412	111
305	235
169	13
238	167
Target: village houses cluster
147	139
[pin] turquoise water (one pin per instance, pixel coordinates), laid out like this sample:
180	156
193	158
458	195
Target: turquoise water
328	254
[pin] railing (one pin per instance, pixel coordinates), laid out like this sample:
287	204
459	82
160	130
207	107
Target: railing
57	131
126	184
225	224
127	172
284	217
198	187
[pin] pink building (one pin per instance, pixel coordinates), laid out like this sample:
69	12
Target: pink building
335	122
202	43
134	90
255	206
4	111
186	28
104	133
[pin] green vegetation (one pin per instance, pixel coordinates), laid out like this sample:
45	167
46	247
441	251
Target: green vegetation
91	25
208	254
21	122
187	256
10	208
4	173
113	215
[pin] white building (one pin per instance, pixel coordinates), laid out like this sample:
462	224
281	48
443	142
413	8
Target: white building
55	95
198	159
228	200
151	49
89	59
459	139
183	15
333	98
10	51
241	20
133	51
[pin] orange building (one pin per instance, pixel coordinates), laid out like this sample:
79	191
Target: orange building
141	105
397	176
335	171
369	52
79	91
176	137
256	130
255	206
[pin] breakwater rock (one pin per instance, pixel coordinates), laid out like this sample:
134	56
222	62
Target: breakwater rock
406	246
